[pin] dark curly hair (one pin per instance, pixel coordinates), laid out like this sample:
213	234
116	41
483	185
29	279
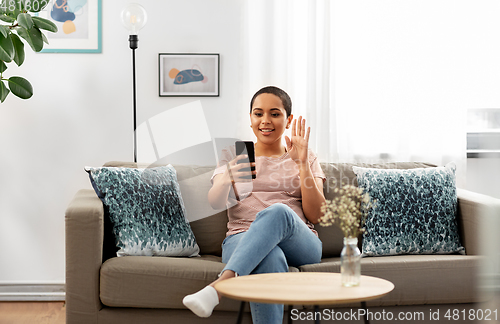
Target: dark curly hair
285	98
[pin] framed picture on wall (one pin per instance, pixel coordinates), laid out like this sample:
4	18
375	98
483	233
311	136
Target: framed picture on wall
78	23
188	75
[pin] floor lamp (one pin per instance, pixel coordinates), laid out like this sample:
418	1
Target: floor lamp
134	17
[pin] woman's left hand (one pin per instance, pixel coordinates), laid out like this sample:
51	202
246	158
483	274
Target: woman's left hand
298	144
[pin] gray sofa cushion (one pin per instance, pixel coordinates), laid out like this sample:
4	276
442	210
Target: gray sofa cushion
415	211
209	226
146	209
210	232
443	276
342	173
159	282
155	282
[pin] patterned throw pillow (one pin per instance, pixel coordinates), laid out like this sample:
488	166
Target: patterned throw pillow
415	211
146	210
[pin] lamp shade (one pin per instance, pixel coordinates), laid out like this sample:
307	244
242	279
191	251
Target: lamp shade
134	17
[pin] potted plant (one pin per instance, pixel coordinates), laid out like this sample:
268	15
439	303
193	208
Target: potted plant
19	26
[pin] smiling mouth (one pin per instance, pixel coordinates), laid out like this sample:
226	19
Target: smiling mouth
266	131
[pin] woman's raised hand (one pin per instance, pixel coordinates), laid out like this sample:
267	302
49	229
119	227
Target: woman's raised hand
298	144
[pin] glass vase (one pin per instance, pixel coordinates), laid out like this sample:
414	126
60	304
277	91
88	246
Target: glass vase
350	262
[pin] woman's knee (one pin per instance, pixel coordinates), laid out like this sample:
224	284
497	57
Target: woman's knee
278	210
275	261
281	208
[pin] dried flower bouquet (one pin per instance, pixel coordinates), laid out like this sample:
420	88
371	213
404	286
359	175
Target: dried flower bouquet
348	210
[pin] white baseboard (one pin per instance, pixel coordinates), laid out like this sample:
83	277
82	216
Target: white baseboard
32	291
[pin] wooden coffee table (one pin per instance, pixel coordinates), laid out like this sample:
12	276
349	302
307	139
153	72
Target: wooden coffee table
302	288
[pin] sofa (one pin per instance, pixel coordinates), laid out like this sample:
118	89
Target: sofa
103	288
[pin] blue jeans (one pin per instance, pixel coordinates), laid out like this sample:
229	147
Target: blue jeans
276	239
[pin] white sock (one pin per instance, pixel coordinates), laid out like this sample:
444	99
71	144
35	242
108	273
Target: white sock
203	302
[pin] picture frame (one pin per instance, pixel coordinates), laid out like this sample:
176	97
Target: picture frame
79	26
188	75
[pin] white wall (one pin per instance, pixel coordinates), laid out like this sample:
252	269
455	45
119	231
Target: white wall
81	114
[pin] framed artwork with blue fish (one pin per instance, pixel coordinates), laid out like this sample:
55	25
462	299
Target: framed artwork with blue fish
188	75
79	26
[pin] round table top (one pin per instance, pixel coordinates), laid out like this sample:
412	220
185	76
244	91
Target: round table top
306	288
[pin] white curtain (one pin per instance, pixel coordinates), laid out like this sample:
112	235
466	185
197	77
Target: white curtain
288	44
376	80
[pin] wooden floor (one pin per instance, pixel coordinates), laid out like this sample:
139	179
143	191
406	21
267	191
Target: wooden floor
55	312
32	313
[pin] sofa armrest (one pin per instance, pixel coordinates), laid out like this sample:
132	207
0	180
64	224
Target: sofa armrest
84	248
474	212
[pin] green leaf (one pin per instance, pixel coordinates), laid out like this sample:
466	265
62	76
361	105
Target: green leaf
18	48
3	91
4	30
20	87
45	40
7	19
6	49
45	24
24	20
3	66
12	8
33	37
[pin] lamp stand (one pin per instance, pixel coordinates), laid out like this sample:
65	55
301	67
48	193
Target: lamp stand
134	43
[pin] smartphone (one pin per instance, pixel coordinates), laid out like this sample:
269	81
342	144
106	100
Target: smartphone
246	147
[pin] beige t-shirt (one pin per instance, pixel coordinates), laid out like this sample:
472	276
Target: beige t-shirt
277	181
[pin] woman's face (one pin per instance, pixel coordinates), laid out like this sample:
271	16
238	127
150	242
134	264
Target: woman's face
268	118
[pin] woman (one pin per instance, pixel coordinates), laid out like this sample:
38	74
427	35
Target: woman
270	218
